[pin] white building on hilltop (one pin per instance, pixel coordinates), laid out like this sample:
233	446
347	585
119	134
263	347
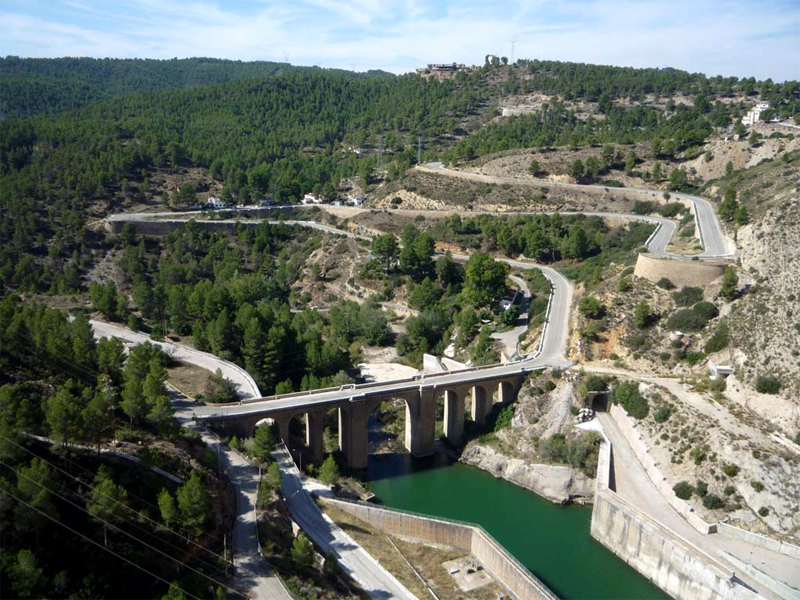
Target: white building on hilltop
311	199
215	203
754	114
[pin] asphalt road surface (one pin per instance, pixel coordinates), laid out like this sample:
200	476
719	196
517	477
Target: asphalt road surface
361	566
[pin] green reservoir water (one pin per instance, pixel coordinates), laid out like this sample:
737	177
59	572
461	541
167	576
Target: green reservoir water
552	541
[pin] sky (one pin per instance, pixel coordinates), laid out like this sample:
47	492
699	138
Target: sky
759	38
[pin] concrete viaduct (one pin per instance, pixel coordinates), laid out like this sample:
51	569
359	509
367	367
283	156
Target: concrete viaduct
355	403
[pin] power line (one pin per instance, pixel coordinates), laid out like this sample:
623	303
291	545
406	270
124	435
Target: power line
145	517
130	535
130	562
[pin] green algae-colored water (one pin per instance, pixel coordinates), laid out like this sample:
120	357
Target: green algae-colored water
552	541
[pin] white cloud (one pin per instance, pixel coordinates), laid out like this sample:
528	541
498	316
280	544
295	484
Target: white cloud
715	37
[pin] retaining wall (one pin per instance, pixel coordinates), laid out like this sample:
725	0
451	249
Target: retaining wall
626	427
759	540
464	536
680	569
683	273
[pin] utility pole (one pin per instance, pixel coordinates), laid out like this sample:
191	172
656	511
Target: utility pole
380	151
513	43
419	149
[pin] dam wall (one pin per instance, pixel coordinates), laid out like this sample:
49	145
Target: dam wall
683	273
670	562
466	537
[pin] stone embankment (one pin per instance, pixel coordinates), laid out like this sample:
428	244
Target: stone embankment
556	483
463	536
682	273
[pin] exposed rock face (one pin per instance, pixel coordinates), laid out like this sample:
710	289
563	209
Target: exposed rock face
556	483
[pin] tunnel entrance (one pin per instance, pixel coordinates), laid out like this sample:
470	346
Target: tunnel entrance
600	402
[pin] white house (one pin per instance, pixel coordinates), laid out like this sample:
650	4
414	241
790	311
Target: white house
355	200
215	203
311	199
754	114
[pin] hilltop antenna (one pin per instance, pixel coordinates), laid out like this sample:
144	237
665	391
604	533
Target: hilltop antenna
513	43
286	57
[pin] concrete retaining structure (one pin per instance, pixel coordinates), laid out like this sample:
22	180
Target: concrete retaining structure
626	427
683	273
464	536
671	562
759	540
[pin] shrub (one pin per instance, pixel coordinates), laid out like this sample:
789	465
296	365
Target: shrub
583	452
670	210
763	511
731	470
663	413
757	485
554	448
701	489
665	284
768	384
627	394
643	207
719	340
687	319
683	490
688	296
706	310
713	502
729	490
504	417
591	308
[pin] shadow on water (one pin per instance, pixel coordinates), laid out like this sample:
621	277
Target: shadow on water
388	465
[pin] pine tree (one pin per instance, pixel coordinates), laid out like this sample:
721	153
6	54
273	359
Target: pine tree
302	552
642	315
329	471
64	415
194	505
97	417
730	284
169	511
108	501
264	442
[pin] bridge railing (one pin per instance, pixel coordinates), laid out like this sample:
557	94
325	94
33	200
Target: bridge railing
422	378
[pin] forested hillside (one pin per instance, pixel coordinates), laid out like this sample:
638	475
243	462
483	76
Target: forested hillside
292	132
33	86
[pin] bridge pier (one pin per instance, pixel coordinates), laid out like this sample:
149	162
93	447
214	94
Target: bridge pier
315	439
481	405
353	434
421	423
507	390
282	423
453	417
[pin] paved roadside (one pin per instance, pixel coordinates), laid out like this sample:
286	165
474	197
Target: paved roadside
253	573
510	338
245	384
329	537
633	484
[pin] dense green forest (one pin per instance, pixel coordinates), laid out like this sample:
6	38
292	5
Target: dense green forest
33	86
66	511
288	133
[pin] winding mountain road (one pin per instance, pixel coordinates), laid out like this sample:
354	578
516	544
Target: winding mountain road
715	243
550	353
